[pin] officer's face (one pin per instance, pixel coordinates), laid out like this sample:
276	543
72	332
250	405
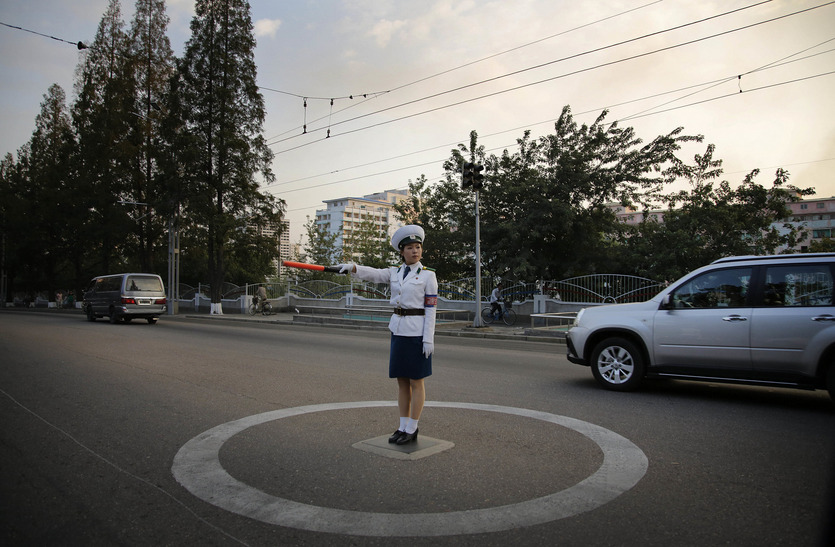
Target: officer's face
412	253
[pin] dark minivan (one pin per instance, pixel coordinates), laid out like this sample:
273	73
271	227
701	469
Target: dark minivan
125	297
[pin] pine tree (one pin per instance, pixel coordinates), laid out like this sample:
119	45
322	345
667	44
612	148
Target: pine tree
49	190
101	116
224	113
152	63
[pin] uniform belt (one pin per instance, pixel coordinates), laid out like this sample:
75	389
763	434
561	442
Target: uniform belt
414	311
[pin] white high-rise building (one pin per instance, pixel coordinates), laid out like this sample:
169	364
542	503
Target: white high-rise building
343	215
283	242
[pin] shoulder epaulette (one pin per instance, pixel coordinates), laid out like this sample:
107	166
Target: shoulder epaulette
429	269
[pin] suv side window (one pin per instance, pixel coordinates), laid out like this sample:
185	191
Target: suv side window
714	289
800	285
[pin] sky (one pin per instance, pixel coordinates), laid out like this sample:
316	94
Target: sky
411	79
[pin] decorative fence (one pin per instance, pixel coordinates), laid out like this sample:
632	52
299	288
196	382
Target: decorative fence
594	289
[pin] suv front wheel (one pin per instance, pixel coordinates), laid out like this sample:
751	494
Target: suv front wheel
617	364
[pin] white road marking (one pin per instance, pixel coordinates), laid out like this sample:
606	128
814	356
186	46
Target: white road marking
197	467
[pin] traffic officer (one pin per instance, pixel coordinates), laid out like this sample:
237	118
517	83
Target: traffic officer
414	295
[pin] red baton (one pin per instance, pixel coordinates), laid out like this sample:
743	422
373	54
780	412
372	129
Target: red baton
317	267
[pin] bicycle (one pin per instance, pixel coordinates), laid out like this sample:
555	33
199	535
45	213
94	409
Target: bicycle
266	308
506	314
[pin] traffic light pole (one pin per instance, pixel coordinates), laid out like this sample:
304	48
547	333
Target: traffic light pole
477	322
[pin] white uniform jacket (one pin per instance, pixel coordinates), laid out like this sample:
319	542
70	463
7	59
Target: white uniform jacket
419	290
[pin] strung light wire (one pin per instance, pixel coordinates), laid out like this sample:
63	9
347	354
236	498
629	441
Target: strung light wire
80	45
425	78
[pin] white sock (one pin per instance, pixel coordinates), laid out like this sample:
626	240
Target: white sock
411	426
403	421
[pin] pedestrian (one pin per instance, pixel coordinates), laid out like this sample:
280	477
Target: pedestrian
414	295
495	299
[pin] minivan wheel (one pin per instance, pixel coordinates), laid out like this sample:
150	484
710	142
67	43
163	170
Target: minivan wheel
830	381
90	315
152	320
617	364
114	317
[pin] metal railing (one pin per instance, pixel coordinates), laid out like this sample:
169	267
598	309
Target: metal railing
599	288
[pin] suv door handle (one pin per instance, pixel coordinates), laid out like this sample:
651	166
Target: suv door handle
733	318
824	317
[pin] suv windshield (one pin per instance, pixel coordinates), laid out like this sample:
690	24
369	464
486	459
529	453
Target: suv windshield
143	283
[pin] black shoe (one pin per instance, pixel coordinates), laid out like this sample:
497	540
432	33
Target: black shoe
407	437
396	436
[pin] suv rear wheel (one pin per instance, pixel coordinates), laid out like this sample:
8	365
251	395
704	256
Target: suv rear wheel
617	364
830	381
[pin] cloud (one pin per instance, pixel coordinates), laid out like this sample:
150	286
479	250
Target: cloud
384	30
266	27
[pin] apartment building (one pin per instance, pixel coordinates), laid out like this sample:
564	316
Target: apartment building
815	215
282	235
343	215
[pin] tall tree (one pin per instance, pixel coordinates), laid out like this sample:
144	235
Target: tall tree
225	112
152	63
102	119
51	237
546	211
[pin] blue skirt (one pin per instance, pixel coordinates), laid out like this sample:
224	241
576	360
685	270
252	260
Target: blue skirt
406	358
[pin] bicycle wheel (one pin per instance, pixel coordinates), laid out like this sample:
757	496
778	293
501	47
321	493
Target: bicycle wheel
253	308
487	316
509	317
268	308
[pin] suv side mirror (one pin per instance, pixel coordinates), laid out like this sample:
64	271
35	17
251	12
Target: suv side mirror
665	302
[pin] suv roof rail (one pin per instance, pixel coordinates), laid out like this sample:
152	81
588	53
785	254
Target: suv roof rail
796	256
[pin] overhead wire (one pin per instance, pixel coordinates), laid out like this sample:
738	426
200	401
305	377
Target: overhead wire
542	65
447	71
538	82
775	64
79	45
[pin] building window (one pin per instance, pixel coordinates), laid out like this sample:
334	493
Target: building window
821	205
804	206
818	234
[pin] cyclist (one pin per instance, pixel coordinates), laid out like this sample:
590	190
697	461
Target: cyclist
495	302
261	297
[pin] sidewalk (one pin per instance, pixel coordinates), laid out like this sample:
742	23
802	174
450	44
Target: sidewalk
452	328
465	329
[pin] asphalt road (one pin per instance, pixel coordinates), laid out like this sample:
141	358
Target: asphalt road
100	426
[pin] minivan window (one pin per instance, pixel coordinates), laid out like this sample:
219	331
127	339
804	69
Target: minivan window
143	283
110	284
798	285
714	289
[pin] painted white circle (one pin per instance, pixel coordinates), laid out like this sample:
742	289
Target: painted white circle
197	467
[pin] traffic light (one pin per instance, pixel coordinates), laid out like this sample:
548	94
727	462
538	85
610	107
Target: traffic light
478	177
467	175
471	176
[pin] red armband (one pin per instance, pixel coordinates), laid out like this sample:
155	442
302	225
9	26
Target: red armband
430	300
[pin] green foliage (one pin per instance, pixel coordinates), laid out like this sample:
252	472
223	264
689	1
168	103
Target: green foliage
368	244
712	220
825	245
320	248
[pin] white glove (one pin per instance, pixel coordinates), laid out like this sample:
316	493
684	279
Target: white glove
428	348
346	269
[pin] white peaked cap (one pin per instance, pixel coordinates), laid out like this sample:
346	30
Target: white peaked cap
405	235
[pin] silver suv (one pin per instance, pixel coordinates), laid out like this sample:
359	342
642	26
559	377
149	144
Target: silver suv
767	320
